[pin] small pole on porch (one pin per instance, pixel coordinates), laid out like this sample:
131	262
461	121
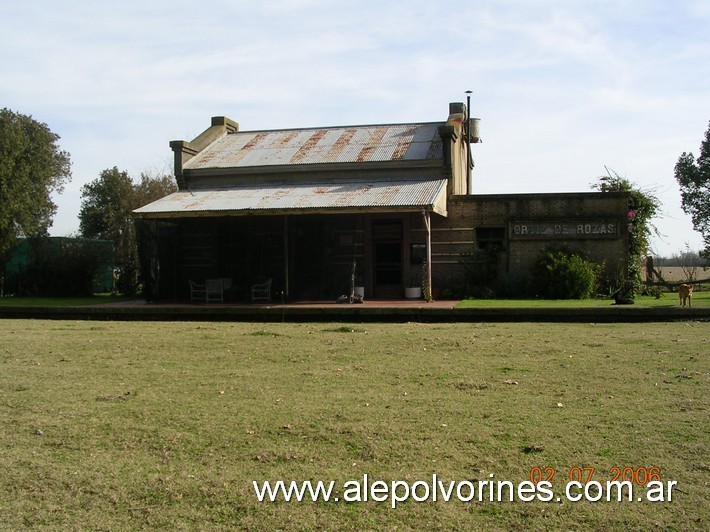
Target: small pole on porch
286	286
427	224
469	157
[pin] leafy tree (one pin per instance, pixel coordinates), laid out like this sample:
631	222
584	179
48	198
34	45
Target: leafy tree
693	176
153	187
643	206
31	167
106	206
107	203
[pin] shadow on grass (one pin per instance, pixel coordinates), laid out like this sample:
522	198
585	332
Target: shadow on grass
667	300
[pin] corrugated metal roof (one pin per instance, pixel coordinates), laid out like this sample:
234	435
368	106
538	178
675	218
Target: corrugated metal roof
407	142
270	198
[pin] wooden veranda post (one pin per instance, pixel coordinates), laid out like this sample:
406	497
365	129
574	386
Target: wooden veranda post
427	224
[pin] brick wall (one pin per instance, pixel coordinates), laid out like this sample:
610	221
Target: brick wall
594	223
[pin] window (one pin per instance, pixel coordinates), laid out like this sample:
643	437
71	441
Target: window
488	237
417	253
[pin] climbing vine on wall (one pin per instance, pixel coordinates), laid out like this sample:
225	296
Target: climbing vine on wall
643	207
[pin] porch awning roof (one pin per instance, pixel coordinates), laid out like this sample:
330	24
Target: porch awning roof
335	196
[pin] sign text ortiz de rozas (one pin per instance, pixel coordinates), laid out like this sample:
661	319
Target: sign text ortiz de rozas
577	229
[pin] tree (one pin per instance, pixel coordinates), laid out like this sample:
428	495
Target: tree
643	206
106	206
153	187
693	176
31	167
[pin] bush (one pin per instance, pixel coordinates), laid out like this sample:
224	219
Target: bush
564	274
67	272
127	282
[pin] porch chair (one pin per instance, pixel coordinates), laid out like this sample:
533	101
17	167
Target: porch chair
215	290
198	292
261	292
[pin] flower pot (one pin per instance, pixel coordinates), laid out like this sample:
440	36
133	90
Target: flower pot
360	291
413	292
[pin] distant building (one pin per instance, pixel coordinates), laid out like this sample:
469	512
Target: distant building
300	206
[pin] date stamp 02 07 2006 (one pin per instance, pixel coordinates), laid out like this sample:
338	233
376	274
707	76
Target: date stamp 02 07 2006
584	476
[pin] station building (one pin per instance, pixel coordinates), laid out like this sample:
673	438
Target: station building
392	203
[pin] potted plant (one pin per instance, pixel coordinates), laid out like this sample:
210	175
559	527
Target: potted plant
414	289
359	288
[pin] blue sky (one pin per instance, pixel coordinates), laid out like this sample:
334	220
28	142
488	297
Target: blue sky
563	87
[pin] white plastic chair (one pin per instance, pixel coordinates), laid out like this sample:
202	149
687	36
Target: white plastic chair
198	292
261	292
215	291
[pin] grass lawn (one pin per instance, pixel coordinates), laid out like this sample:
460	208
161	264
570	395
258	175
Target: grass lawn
131	425
99	299
700	299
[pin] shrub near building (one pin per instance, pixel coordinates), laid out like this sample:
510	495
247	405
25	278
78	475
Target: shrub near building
561	273
59	267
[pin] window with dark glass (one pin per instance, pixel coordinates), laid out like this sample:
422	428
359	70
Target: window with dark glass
489	237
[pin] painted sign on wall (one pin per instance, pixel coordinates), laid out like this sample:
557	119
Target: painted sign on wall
581	229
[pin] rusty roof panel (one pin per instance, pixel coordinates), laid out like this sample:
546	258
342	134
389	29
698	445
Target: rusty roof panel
324	145
392	194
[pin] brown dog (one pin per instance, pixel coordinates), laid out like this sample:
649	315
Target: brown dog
685	293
